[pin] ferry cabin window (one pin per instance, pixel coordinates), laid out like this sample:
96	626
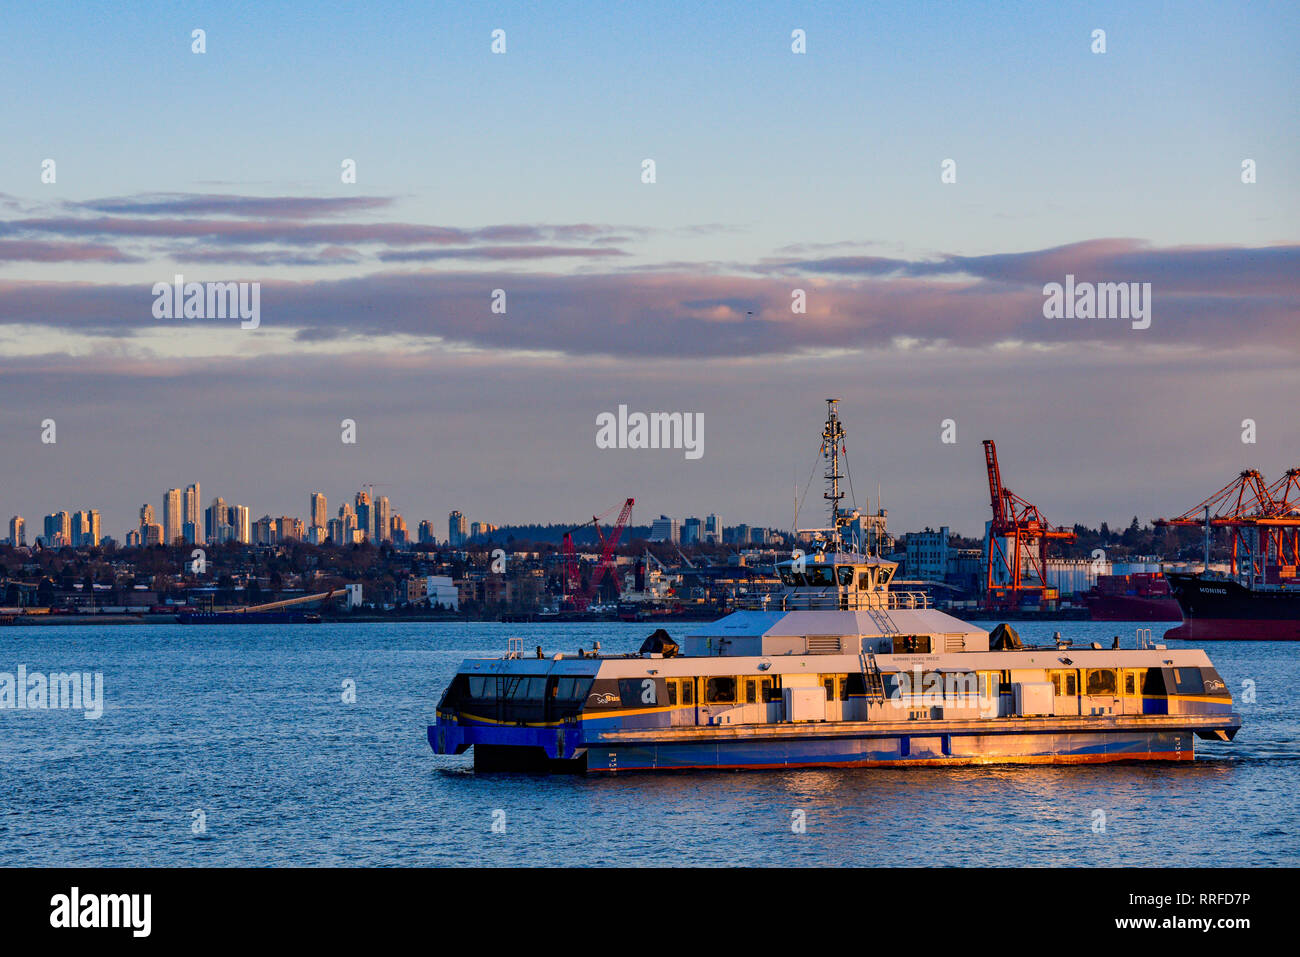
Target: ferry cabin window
688	691
828	682
769	690
1188	681
864	581
1100	681
911	644
638	692
1153	683
990	683
481	686
820	577
846	575
787	577
1065	683
1130	682
672	691
572	689
855	685
720	690
751	691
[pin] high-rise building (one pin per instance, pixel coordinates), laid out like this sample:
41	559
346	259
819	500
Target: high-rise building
146	514
216	521
713	529
319	510
240	530
397	530
426	532
85	528
457	529
171	516
17	531
348	520
383	519
334	529
290	529
665	529
193	505
692	531
365	515
151	534
58	529
133	538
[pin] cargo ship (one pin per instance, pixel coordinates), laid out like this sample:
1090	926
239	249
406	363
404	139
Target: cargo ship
1145	596
1225	608
836	669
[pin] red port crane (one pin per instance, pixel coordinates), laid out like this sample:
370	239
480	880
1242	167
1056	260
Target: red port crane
1017	544
1263	519
575	595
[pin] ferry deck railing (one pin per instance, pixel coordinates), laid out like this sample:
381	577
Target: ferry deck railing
834	601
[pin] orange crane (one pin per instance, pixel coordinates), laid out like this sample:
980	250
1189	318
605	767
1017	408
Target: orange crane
1016	563
1263	522
575	594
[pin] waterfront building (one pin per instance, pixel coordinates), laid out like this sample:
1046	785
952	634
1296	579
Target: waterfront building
927	554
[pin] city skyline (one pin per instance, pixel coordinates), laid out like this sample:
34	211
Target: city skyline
823	173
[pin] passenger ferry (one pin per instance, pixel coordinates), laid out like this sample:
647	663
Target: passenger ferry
834	670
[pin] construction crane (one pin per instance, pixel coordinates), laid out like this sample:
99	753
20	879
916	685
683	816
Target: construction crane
1263	521
574	594
1016	560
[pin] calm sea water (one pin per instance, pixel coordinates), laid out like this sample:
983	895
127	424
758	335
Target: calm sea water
248	725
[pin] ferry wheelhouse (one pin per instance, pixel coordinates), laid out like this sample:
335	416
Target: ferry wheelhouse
833	670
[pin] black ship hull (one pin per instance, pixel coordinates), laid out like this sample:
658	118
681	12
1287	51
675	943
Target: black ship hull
1218	610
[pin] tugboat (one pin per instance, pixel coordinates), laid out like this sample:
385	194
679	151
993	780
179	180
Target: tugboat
834	670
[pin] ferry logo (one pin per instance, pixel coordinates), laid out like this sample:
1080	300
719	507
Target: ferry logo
1107	300
36	691
209	300
103	910
653	430
603	698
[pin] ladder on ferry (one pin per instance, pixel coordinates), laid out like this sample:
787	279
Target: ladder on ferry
882	620
872	680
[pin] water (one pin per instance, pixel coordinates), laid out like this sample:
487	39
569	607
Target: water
248	726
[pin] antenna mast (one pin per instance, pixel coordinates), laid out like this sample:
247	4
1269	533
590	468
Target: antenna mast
832	441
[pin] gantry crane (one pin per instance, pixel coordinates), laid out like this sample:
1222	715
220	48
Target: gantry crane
1014	568
1263	522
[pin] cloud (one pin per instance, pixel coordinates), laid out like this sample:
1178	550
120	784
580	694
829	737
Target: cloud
21	250
262	207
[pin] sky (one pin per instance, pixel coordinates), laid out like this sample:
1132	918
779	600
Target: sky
523	171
